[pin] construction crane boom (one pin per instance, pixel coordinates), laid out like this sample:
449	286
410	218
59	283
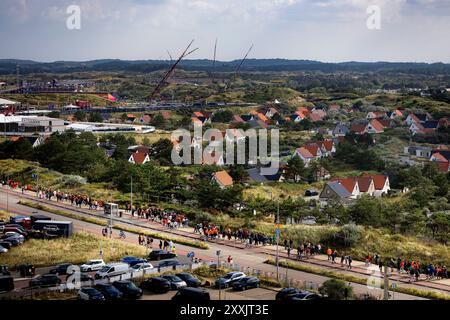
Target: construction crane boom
243	60
164	80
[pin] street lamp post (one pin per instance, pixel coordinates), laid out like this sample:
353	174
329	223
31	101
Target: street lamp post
131	198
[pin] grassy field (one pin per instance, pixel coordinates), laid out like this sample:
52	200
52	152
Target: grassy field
102	222
79	248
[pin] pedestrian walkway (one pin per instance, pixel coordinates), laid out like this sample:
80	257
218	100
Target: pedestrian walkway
319	260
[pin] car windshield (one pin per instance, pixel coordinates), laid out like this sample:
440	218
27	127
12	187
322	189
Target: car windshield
90	291
104	269
185	276
173	278
90	263
129	285
228	276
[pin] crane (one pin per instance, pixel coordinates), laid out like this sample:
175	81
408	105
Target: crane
243	60
164	80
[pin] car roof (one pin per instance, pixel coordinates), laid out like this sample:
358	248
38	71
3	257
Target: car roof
194	290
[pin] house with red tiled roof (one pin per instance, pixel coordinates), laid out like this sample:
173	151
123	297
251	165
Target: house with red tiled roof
351	185
417	118
145	119
223	179
262	117
375	115
442	158
139	158
198	114
427	127
308	153
327	147
131	117
381	183
374	126
303	111
358	128
268	112
317	115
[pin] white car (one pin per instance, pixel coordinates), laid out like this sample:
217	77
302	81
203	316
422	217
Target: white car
92	265
143	266
3	250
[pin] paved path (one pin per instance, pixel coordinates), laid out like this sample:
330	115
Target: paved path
253	257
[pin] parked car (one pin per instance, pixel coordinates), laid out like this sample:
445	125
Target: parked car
303	295
6	283
3	249
246	283
311	193
190	280
112	270
13	237
5	244
157	285
168	263
109	291
84	277
161	255
131	261
285	292
62	269
128	289
191	294
45	280
143	266
90	293
229	279
175	282
16	228
92	265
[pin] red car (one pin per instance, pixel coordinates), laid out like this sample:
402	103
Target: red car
17	229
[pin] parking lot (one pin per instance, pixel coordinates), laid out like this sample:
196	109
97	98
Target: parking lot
228	294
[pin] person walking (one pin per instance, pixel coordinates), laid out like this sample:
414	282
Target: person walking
329	253
350	262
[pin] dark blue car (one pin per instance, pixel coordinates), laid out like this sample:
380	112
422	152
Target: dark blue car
133	260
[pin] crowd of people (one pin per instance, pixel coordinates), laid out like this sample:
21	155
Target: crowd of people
211	232
77	200
173	220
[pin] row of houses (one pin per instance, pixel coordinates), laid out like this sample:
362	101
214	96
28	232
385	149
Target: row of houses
424	124
344	190
315	150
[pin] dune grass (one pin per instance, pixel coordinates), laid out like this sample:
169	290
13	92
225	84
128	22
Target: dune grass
77	249
102	222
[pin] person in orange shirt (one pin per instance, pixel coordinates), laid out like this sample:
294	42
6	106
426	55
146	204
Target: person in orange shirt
329	254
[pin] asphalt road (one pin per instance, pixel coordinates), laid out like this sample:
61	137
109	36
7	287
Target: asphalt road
244	257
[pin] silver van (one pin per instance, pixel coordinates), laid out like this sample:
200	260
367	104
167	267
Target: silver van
112	270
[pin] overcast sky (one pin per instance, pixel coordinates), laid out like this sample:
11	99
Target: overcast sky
325	30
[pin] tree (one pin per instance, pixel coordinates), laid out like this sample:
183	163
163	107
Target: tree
95	117
335	289
158	120
295	169
224	116
439	224
238	173
162	151
80	115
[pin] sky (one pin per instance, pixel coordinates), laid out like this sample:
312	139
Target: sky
323	30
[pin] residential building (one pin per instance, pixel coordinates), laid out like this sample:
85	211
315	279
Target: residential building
223	179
